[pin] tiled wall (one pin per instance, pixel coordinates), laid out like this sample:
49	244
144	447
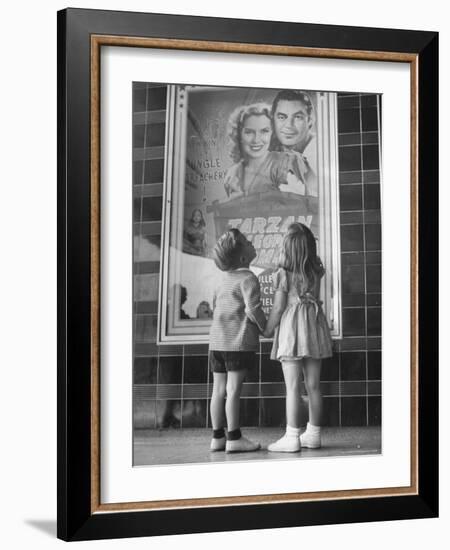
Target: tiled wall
172	385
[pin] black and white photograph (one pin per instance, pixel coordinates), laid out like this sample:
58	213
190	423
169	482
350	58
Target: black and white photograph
257	274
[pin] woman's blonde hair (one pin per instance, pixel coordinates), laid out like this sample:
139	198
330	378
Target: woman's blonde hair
236	122
299	256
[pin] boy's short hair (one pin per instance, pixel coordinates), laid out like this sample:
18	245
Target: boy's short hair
227	250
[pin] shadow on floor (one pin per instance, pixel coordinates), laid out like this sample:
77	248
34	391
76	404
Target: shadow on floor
47	526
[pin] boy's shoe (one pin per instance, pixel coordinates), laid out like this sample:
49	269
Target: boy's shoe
287	444
310	441
241	445
217	444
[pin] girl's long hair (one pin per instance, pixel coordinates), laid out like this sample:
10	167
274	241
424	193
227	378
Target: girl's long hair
299	256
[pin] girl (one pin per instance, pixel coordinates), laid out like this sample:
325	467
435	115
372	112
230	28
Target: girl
302	337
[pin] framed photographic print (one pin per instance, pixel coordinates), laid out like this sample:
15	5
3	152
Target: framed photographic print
177	134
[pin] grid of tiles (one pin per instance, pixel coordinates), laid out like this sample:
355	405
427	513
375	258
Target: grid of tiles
172	385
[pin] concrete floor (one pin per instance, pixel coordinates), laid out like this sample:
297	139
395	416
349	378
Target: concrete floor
172	446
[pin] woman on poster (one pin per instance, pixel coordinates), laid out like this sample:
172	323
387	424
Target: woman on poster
194	235
257	169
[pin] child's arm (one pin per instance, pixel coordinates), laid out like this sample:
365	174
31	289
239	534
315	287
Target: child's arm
279	305
252	298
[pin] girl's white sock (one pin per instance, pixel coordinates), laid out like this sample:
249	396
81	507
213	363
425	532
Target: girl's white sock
312	430
292	432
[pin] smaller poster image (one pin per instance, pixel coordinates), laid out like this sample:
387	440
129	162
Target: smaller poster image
253	159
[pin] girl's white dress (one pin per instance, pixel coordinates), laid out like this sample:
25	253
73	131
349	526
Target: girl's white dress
303	330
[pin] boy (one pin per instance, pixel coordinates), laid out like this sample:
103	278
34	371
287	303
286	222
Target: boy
234	337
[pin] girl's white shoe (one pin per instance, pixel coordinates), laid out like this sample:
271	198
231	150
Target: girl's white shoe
289	443
311	437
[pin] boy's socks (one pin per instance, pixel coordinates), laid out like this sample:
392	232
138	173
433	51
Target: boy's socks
234	435
289	443
219	433
218	440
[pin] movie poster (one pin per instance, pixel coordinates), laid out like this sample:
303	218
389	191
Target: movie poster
254	159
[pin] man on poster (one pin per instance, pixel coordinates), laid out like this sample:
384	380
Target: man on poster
293	124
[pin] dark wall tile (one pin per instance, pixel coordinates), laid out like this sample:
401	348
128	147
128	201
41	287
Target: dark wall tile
265	347
249	412
331	415
350	197
330	368
353	411
353	258
148	98
195	369
253	374
348	178
353	138
371	176
354	321
170	370
271	371
373	257
374	365
369	138
372	197
149	135
145	370
369	100
250	389
196	350
275	389
374	404
371	158
156	98
353	279
352	238
348	120
350	158
147	209
374	343
273	412
372	216
354	300
353	365
352	218
374	321
145	328
348	101
369	119
373	236
373	278
374	299
148	171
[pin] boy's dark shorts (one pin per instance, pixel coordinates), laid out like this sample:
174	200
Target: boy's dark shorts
225	361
